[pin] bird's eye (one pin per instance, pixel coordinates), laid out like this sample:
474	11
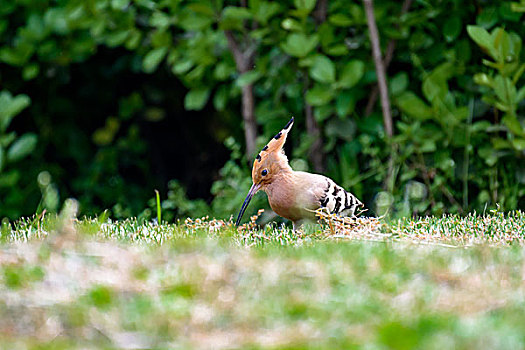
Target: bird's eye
264	172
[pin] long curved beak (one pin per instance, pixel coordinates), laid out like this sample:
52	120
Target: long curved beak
253	190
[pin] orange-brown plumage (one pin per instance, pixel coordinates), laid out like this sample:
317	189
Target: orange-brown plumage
295	195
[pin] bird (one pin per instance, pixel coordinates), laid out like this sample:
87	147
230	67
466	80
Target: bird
295	195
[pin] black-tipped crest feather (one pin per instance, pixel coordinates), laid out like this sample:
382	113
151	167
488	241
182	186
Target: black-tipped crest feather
289	124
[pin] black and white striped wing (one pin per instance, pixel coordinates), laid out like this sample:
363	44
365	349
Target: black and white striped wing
337	200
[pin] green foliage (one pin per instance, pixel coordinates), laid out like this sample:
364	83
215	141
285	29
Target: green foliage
13	149
233	186
449	82
229	192
177	204
503	93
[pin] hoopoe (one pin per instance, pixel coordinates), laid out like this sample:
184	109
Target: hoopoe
295	195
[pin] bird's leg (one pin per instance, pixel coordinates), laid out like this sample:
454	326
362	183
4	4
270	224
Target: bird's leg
297	225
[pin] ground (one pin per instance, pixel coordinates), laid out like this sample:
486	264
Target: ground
426	283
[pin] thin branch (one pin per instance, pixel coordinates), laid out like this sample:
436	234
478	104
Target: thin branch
238	55
321	11
388	58
315	152
380	68
248	116
244	63
383	88
426	177
249	54
451	198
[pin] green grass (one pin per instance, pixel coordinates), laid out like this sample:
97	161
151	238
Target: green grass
429	283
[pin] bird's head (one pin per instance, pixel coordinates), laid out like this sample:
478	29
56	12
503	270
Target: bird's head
267	165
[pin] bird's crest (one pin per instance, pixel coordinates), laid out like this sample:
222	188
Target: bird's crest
276	143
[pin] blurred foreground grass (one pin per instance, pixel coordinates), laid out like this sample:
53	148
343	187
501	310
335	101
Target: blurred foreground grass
429	283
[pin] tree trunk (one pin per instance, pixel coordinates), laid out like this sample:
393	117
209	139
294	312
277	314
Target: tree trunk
248	116
244	63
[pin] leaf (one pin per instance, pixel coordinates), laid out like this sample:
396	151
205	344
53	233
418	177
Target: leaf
202	8
159	20
427	146
305	5
488	17
196	99
223	70
481	126
505	90
239	13
264	10
22	147
336	50
507	47
500	144
1	158
13	57
7	139
191	20
398	83
345	103
340	20
119	4
319	95
519	144
518	73
435	85
247	78
482	38
35	28
55	18
452	28
299	44
351	74
133	40
322	113
483	79
116	38
153	58
513	124
322	69
182	66
412	105
434	89
9	178
30	71
220	98
10	106
521	94
291	24
233	17
517	7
